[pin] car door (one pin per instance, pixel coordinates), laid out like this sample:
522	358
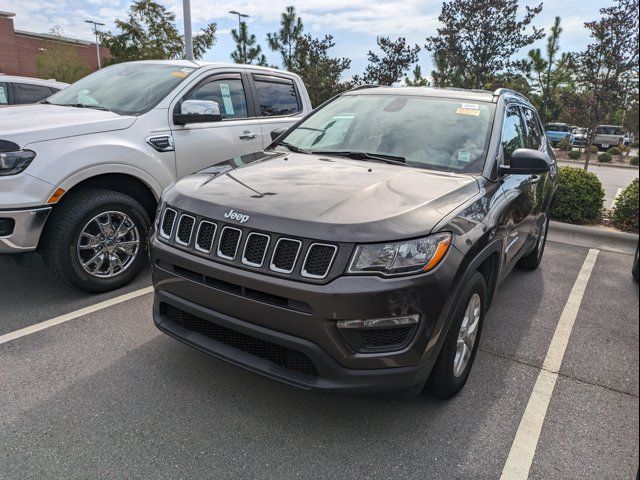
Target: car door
278	102
199	145
516	188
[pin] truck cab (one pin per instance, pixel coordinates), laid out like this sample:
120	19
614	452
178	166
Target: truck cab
607	136
82	171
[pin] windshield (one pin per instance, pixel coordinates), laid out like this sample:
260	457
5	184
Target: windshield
125	88
557	128
432	133
609	130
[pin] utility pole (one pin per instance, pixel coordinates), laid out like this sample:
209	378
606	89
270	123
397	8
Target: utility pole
95	31
244	46
188	39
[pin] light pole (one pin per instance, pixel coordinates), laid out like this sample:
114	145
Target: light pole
244	46
188	39
95	31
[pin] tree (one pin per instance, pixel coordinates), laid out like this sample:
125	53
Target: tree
548	74
418	80
247	51
285	41
320	72
606	66
397	57
478	39
60	60
150	33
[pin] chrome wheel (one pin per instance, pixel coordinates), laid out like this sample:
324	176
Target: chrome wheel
467	335
108	244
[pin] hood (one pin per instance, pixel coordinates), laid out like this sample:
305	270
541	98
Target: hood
25	124
328	198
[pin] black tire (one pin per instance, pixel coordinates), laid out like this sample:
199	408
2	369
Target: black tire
63	229
442	382
634	270
533	259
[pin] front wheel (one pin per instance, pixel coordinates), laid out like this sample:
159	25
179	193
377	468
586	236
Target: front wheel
458	352
97	240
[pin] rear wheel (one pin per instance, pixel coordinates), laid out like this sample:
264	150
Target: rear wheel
532	260
97	240
458	352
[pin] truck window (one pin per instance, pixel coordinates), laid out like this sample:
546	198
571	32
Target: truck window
512	133
26	93
4	97
609	130
227	93
534	132
276	96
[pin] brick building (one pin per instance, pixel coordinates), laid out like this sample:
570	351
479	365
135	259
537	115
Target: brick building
19	49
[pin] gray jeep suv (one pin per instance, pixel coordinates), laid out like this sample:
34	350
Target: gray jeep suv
362	249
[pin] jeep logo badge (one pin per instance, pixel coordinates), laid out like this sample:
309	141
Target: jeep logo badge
239	217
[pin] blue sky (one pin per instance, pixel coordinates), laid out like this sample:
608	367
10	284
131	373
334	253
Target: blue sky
353	23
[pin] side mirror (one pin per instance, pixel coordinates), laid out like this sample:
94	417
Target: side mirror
525	161
197	111
277	133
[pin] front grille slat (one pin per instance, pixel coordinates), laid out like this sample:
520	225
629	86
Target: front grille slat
285	255
168	219
279	355
204	237
255	249
318	260
229	242
185	229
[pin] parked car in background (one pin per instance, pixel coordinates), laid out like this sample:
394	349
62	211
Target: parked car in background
628	138
580	137
19	90
360	251
607	136
81	172
558	131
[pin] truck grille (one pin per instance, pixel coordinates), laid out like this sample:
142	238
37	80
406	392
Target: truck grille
279	355
243	246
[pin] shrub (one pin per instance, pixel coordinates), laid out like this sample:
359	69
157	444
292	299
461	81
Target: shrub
574	154
633	160
625	211
615	151
593	149
604	157
565	145
579	196
635	144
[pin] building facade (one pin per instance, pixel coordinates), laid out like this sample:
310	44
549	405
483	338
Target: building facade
19	49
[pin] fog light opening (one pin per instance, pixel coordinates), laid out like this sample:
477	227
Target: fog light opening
379	322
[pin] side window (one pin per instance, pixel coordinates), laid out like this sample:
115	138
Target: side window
512	133
534	132
227	93
26	93
276	97
4	94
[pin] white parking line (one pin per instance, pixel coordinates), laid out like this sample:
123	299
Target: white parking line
613	202
525	442
7	337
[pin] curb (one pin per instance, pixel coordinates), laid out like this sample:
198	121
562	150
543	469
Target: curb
597	164
589	236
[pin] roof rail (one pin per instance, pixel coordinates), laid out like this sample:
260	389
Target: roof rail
502	91
362	87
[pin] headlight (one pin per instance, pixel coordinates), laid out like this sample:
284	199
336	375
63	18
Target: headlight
396	258
15	162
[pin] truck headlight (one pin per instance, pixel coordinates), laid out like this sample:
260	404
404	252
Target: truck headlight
12	163
404	257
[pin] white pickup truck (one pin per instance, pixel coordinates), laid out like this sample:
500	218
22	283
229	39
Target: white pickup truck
82	172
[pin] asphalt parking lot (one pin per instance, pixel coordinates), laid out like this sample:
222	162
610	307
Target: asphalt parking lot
106	395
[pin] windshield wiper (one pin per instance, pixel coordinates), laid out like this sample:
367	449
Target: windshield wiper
291	147
381	157
84	105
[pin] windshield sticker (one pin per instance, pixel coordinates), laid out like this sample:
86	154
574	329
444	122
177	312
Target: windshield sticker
179	74
468	111
471	106
226	98
464	156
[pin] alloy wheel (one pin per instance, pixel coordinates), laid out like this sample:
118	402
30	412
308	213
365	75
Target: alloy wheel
467	335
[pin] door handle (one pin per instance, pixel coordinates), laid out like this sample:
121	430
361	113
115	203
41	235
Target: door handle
248	135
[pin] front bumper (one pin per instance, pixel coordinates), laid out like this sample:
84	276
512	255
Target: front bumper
24	229
240	304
